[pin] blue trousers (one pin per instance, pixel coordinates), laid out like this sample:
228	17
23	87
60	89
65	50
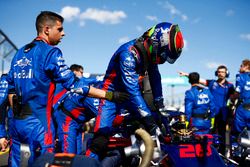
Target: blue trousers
29	131
242	119
69	134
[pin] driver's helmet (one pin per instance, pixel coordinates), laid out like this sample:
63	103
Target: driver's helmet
165	43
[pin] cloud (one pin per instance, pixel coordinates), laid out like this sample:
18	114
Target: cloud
245	36
174	11
230	12
152	18
197	20
123	40
134	4
82	23
139	28
184	17
103	16
212	65
70	13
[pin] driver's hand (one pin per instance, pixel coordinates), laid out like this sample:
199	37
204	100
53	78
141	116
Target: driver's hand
159	104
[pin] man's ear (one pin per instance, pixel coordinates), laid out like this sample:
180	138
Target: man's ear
46	30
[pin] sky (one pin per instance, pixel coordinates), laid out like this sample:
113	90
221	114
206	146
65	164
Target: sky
215	31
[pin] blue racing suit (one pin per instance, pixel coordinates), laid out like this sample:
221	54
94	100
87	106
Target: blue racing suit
242	113
221	95
199	108
3	105
122	74
34	72
71	111
5	111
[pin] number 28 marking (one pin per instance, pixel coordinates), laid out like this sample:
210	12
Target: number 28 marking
191	151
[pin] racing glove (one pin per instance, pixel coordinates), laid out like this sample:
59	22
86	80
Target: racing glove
81	90
159	104
117	97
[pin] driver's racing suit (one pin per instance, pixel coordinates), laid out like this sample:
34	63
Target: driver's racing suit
122	74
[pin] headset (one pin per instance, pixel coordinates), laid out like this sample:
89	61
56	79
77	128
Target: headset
222	67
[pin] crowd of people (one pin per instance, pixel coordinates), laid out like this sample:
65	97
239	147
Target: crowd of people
47	103
220	104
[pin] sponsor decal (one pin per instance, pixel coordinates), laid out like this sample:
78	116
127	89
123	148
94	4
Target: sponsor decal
203	99
23	62
164	39
191	151
24	74
129	62
142	112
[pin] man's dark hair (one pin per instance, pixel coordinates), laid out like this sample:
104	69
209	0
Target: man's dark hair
4	75
47	17
193	78
246	62
222	67
76	67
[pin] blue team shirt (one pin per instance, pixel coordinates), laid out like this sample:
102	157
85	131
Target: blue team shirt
3	104
81	107
221	93
198	101
243	86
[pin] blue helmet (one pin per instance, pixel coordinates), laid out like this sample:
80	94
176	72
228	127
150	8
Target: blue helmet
165	43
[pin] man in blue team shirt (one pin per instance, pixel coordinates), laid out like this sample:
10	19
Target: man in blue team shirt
34	72
221	89
199	105
242	113
71	111
3	111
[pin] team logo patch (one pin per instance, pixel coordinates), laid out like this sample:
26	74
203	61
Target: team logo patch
129	62
23	62
203	99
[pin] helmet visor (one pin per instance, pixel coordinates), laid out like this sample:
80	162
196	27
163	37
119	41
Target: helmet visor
176	44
